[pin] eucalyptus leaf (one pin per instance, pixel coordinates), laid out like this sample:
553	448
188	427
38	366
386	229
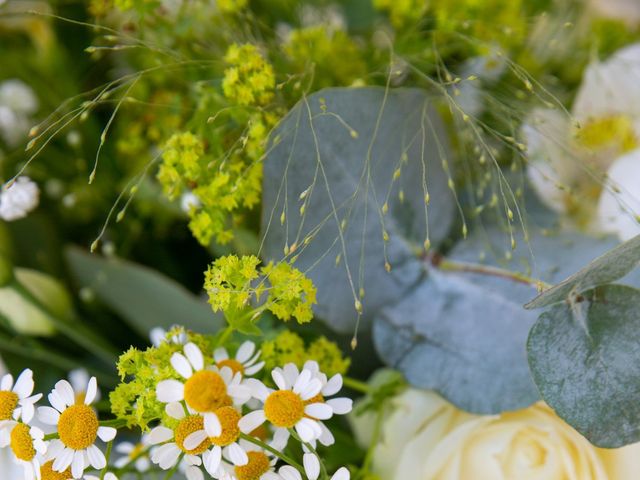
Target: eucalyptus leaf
583	358
607	268
346	169
141	296
463	340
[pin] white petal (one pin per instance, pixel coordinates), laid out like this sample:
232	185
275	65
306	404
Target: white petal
237	455
220	354
253	369
302	381
48	415
280	439
55	449
240	393
251	421
195	439
289	473
79	378
321	411
160	434
194	355
56	401
308	430
212	425
92	390
181	365
312	366
24	384
333	386
166	456
258	389
96	457
7	382
341	474
326	437
106	434
170	391
194	473
175	410
65	392
63	460
279	380
290	374
77	465
311	389
245	351
311	465
341	406
27	412
212	459
620	201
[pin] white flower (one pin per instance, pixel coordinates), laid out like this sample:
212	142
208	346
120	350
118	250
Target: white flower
206	388
158	336
189	200
78	428
289	407
20	198
27	445
567	161
134	453
79	379
16	401
17	103
172	443
245	361
260	465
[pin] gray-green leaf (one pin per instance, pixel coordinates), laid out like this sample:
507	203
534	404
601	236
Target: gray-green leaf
141	296
584	360
609	267
336	159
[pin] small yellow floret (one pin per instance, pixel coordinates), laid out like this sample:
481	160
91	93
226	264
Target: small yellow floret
206	391
78	427
229	418
186	427
8	403
257	466
234	365
284	408
48	473
22	443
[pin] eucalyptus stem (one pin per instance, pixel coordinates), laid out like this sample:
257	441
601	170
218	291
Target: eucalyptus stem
456	266
272	450
355	384
107	456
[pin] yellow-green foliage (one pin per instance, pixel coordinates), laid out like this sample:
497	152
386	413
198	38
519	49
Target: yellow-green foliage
250	79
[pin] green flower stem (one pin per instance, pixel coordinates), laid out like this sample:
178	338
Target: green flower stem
455	266
75	332
357	385
272	450
107	455
225	336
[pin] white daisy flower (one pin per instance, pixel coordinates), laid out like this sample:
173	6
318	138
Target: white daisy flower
27	445
18	199
172	442
134	453
291	406
17	401
79	379
78	427
245	361
205	389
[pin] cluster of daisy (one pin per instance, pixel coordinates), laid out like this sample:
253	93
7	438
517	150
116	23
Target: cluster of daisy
224	422
72	425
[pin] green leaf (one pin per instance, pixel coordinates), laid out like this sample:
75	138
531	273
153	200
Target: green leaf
340	155
142	297
607	268
584	358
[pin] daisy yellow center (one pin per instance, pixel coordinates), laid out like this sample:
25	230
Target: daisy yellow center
22	443
48	473
206	391
8	403
234	365
317	399
186	427
80	397
78	427
229	418
284	408
257	466
612	131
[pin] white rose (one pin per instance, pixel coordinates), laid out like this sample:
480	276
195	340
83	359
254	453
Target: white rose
423	437
570	157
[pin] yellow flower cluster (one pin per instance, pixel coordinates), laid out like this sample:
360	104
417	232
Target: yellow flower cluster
229	282
402	12
334	55
250	79
181	163
289	347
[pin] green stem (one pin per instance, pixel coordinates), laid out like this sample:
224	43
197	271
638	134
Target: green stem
455	266
107	455
357	385
272	450
225	336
